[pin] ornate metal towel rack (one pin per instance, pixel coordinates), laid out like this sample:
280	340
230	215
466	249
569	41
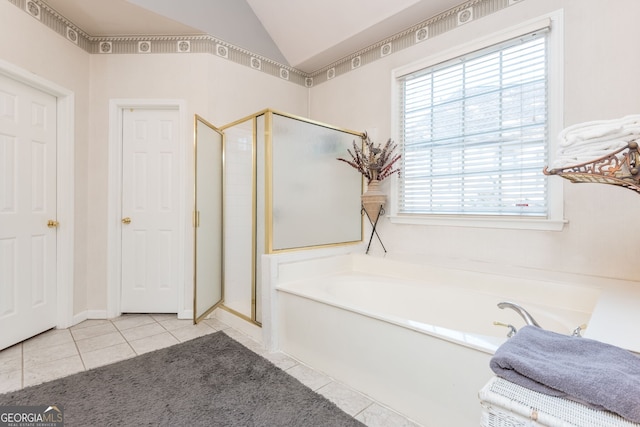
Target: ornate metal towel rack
620	167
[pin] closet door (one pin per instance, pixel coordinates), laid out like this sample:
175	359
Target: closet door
150	210
28	223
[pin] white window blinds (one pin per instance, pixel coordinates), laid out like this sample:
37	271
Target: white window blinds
473	133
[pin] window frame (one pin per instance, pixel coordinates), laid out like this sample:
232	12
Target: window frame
554	220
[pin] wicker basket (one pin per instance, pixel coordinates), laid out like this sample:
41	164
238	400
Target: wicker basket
505	404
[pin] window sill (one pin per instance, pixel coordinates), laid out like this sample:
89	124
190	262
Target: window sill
542	224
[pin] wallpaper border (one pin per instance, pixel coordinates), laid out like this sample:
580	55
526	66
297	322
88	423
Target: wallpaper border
204	43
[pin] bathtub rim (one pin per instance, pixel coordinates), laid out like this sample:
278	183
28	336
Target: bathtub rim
352	258
484	343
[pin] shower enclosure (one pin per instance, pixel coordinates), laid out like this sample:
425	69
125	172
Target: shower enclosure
282	190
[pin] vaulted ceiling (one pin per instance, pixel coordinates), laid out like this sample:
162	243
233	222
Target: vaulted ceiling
304	34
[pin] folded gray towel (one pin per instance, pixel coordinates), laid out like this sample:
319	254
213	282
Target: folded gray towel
600	375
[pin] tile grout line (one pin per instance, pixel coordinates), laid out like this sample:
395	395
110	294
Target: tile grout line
171	333
146	336
124	338
75	344
365	408
341	384
80	353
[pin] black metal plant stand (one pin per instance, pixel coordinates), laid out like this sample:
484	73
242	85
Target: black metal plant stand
374	225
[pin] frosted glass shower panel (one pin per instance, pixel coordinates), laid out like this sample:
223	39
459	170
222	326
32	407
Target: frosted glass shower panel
283	190
315	198
238	218
208	210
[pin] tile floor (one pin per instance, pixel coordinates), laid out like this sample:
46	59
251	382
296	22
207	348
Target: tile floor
92	343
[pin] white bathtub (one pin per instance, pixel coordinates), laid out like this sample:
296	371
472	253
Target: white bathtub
416	338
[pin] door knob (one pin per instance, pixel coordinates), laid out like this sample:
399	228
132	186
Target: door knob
126	220
52	223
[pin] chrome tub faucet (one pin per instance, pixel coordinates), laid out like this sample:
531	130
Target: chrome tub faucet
521	311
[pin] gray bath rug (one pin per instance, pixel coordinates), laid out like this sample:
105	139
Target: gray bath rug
208	381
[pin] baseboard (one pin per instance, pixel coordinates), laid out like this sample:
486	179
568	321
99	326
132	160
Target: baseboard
89	314
97	314
254	331
103	314
79	318
185	314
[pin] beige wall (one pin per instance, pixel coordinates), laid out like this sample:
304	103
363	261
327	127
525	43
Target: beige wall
217	89
214	88
28	44
601	82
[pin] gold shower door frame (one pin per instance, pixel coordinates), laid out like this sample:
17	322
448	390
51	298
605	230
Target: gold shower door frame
267	246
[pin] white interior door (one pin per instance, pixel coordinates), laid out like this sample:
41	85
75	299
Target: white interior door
150	211
27	203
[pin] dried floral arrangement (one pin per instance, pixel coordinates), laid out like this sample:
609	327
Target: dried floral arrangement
373	161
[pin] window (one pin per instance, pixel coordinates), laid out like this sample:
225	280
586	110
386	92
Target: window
474	132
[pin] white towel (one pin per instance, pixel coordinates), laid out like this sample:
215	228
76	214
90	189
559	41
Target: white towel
599	128
585	142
